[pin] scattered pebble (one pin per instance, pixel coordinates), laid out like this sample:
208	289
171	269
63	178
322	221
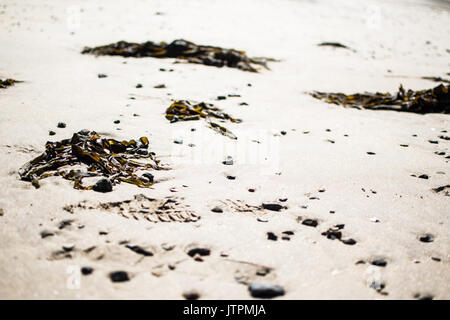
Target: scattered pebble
379	262
68	247
349	241
262	219
426	238
160	86
265	290
61	125
310	222
231	177
202	251
178	141
87	270
217	209
221	97
436	259
371	153
251	190
103	185
119	276
51	133
272	206
191	295
423	176
101	75
138	86
374	219
433	141
272	236
228	161
45	234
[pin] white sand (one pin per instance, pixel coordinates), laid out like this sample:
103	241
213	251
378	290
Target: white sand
41	43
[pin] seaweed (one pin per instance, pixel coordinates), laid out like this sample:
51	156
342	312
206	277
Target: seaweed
109	158
183	110
182	49
7	83
435	100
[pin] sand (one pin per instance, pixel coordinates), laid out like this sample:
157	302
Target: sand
334	183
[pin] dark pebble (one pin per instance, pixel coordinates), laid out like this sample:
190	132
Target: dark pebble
87	270
61	125
45	234
265	290
116	121
191	295
310	222
243	104
379	262
426	238
349	241
272	206
283	133
101	75
51	133
231	177
140	250
200	251
371	153
103	185
221	97
149	176
272	236
436	259
119	276
138	86
433	141
423	176
217	209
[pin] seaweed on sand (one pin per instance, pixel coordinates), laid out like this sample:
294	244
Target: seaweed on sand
109	158
435	100
182	49
6	83
183	110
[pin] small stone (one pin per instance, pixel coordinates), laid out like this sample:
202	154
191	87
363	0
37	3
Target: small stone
217	209
374	219
265	290
68	247
251	190
2	212
310	222
349	241
51	133
101	75
243	104
160	86
283	132
378	286
228	161
370	153
221	97
272	236
262	219
116	121
272	206
191	145
119	276
231	177
282	199
404	145
423	176
45	234
149	177
433	141
379	262
426	238
103	185
167	247
201	251
61	125
87	270
191	295
436	259
138	86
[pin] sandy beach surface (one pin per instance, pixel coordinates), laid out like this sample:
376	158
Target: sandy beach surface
302	153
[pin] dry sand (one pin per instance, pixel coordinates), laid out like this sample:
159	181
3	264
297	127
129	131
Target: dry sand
395	42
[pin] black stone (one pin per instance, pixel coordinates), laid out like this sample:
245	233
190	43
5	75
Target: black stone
200	251
119	276
379	262
140	250
87	270
310	222
61	125
103	185
265	290
217	209
272	206
426	238
272	236
349	241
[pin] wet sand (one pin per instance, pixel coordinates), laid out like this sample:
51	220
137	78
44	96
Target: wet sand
326	165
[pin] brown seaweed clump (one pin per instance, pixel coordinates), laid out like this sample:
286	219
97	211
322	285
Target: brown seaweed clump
435	100
107	158
183	110
182	49
6	83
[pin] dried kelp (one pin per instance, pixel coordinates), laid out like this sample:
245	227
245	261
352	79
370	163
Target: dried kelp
7	83
169	209
435	100
182	49
97	156
183	110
